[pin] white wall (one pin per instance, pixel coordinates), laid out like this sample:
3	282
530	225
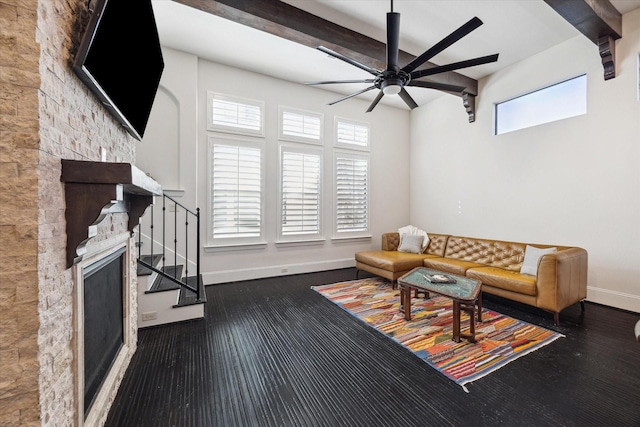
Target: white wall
572	182
179	120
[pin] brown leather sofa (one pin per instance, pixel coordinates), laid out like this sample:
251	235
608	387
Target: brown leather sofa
561	278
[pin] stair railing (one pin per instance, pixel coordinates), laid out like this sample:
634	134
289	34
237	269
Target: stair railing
178	209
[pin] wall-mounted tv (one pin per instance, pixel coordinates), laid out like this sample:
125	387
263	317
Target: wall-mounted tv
120	60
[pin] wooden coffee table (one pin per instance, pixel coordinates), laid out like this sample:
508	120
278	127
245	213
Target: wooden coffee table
465	293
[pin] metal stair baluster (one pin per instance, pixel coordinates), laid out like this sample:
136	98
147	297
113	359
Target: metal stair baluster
198	254
186	244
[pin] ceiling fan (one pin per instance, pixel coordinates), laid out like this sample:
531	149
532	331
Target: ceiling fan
393	79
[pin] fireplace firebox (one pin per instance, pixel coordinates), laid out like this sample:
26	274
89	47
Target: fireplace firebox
103	320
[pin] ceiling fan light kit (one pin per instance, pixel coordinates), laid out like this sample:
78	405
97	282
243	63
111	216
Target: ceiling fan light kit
391	86
393	79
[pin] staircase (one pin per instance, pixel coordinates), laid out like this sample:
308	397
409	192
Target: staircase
167	292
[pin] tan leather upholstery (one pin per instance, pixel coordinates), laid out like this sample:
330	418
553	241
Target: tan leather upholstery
391	264
504	279
493	253
437	244
561	279
390	241
391	260
450	265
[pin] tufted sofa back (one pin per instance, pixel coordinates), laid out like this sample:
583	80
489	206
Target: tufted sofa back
390	241
437	244
493	253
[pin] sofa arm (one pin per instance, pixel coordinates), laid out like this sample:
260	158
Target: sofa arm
562	279
390	241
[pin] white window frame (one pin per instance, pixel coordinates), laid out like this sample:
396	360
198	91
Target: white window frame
638	82
349	145
211	126
347	234
229	242
301	236
282	110
532	105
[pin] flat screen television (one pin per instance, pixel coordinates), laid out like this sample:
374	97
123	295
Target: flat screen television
120	60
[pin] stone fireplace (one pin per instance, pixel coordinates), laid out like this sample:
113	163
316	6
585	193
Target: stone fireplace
103	275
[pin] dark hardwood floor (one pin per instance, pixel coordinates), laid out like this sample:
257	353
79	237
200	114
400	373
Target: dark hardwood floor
273	352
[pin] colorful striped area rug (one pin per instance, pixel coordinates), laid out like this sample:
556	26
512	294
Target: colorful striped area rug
500	339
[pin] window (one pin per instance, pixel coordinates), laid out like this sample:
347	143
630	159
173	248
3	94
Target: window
350	134
351	194
236	192
300	192
557	102
235	115
300	126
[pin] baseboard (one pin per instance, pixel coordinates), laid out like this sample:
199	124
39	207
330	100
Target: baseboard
611	298
214	277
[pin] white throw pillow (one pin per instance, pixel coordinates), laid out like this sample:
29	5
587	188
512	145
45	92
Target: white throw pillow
411	243
532	256
414	231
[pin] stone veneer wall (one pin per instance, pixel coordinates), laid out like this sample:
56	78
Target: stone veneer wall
19	323
46	114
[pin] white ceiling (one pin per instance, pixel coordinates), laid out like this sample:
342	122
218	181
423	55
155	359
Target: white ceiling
516	29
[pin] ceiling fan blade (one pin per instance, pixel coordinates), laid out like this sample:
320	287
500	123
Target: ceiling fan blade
465	29
352	95
340	81
375	101
393	41
407	99
348	60
454	66
437	86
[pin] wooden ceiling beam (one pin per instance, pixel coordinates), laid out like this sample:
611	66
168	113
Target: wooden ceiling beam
283	20
599	21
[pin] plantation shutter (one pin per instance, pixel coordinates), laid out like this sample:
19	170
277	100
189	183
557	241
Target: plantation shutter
352	206
236	191
352	134
301	125
236	115
300	202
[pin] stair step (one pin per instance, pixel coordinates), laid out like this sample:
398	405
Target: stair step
188	297
162	284
144	271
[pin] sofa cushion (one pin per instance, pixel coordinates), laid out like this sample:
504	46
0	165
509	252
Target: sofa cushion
449	265
411	243
437	244
532	257
411	230
391	260
504	279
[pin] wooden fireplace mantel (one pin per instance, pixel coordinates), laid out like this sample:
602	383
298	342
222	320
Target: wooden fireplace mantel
95	189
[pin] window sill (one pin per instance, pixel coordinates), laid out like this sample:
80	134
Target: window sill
351	239
210	248
309	242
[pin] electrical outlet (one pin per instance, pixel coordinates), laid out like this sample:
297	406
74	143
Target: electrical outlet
151	315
